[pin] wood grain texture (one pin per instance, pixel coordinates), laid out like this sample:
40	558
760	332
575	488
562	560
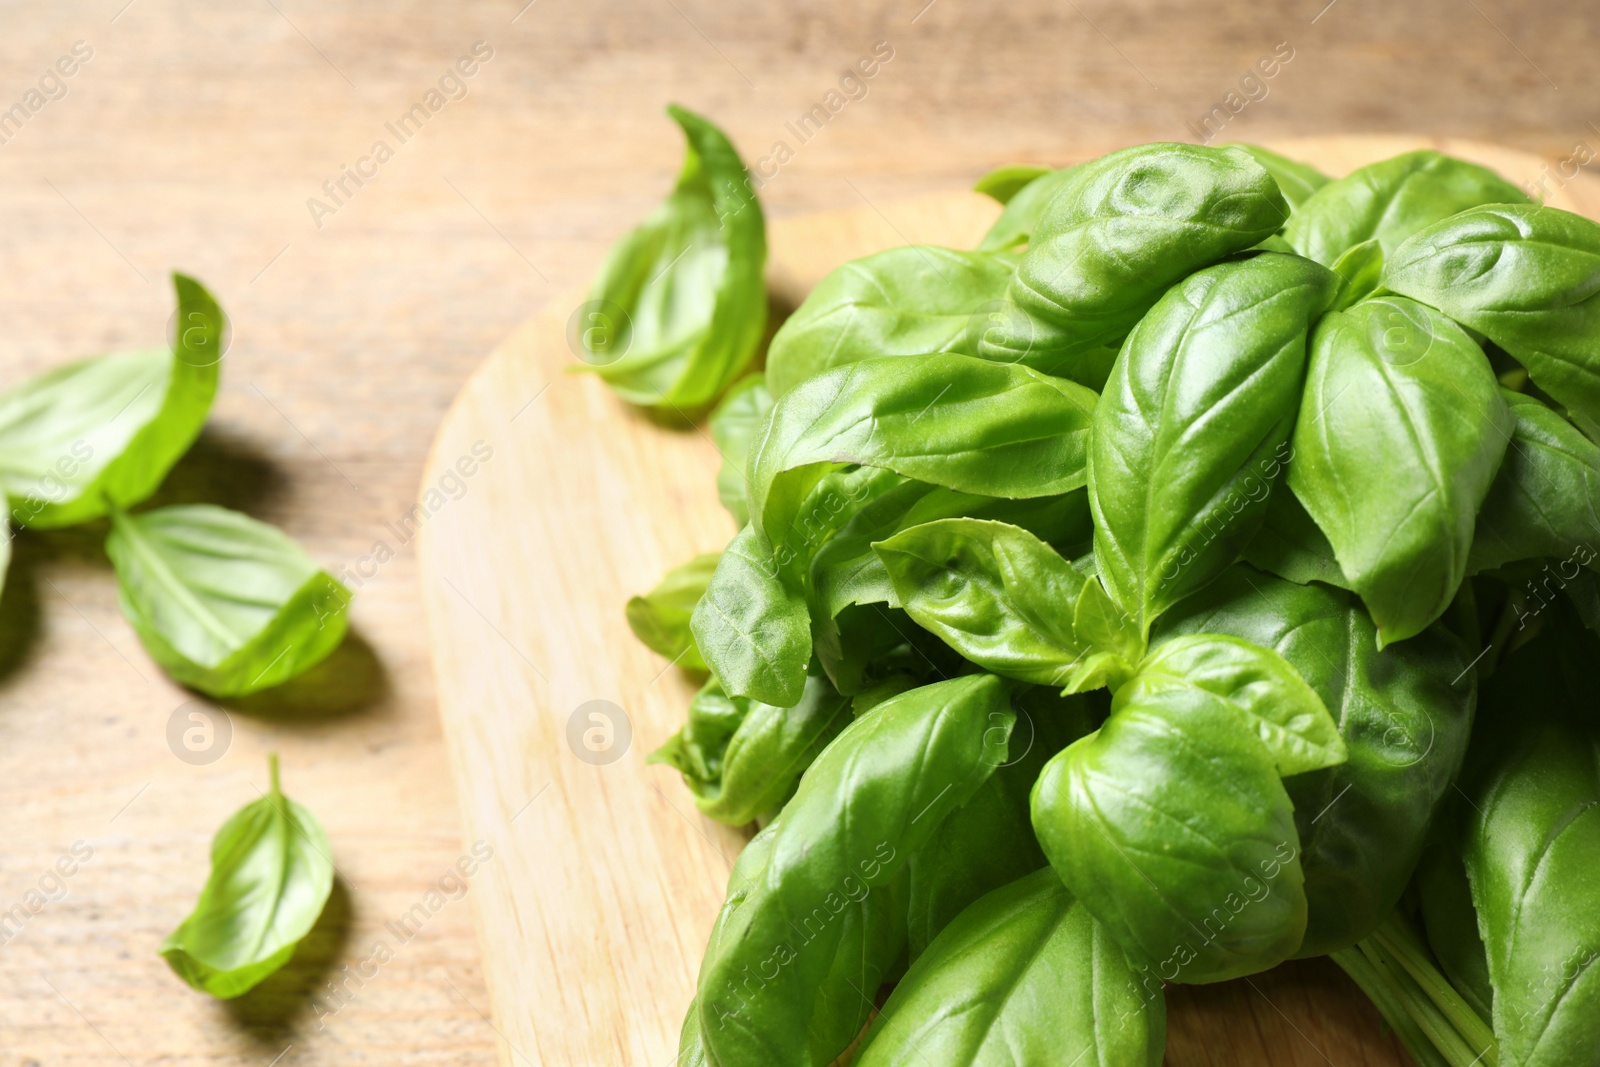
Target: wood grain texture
596	911
194	138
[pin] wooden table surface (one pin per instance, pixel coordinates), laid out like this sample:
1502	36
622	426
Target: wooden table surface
193	137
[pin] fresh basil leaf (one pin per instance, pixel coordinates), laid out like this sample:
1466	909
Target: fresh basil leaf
1400	434
660	618
1119	233
1020	219
1193	428
225	604
1389	201
83	439
1452	924
734	424
1290	545
681	299
1543	500
750	628
1296	180
1002	431
1024	978
1006	601
903	302
271	873
741	758
1360	271
1004	183
816	906
1525	276
1404	714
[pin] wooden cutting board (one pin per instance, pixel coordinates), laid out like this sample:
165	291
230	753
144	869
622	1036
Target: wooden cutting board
551	502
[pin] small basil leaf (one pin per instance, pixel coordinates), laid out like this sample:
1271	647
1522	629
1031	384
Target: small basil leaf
1400	434
1543	501
1003	183
1193	427
1290	545
686	284
752	630
734	424
225	604
1017	222
1452	924
1119	233
903	302
1296	180
1287	715
660	618
79	440
1389	201
1525	276
1001	430
271	874
1360	271
816	903
1001	598
1023	978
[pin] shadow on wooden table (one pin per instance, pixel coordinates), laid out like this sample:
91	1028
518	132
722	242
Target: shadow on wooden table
352	680
224	469
299	989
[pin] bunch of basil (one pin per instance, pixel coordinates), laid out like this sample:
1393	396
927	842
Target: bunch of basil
1111	607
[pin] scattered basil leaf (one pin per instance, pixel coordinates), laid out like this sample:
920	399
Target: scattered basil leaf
660	618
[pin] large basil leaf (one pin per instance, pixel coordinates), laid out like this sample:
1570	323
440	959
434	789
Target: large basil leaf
1543	501
1121	231
741	758
1389	201
1525	276
1024	978
1290	545
1405	714
816	909
1296	180
271	873
752	630
1023	210
1400	434
1010	603
660	618
224	603
903	302
734	424
1532	832
83	439
1193	427
686	284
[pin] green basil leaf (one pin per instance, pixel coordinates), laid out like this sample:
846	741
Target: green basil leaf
1543	501
1024	978
1404	714
1005	600
271	874
1193	428
1400	434
1360	271
816	909
1002	431
1120	232
741	758
82	439
903	302
1389	201
734	424
1525	276
1290	545
682	299
753	631
660	618
1171	825
1003	183
225	604
1020	219
1296	180
1452	924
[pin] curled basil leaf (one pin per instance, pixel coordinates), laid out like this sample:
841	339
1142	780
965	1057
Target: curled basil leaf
682	297
1389	201
734	424
1525	276
660	618
271	874
225	604
83	439
753	631
1120	232
903	302
1023	978
1400	434
1296	180
1004	183
816	911
1193	428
